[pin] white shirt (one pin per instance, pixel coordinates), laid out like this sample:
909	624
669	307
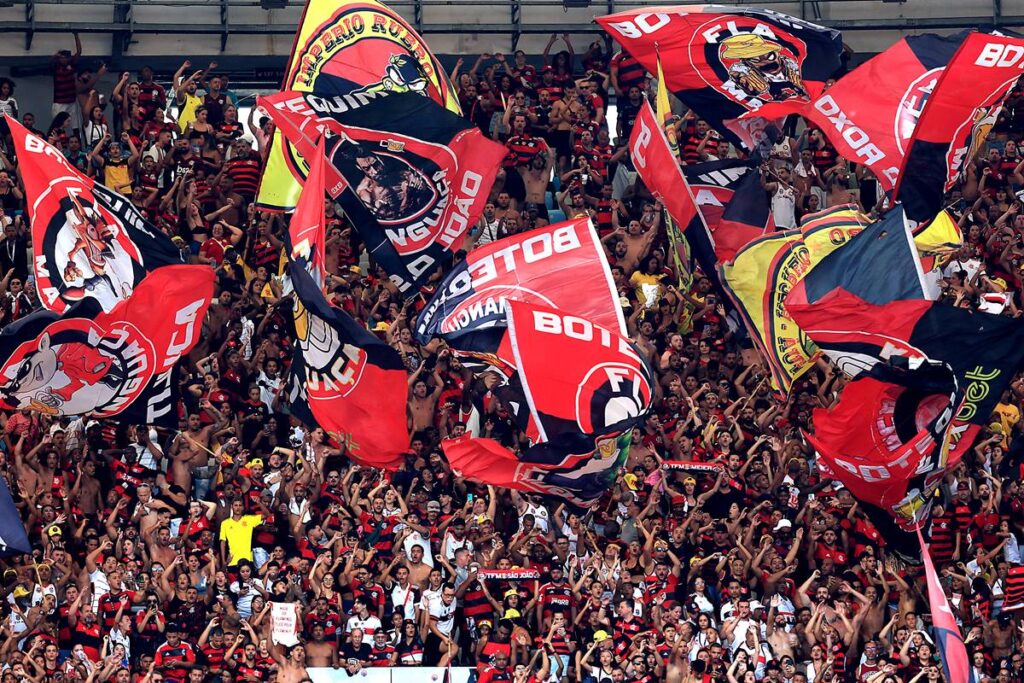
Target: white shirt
404	599
784	207
368	625
443	615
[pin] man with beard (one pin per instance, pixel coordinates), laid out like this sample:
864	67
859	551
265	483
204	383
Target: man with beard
389	190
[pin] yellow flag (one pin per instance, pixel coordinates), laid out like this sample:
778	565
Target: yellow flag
342	47
763	273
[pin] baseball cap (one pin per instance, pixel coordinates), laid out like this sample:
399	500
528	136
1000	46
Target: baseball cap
381	327
433	505
54	531
630	480
256	462
56	428
601	636
783	524
20	592
512	614
689	480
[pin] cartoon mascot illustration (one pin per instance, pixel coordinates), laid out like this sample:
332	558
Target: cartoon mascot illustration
760	69
69	378
106	274
402	74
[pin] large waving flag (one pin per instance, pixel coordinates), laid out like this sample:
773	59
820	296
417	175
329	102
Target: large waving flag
13	539
88	242
578	390
353	49
730	197
764	272
344	379
550	266
887	439
870	114
955	662
118	363
412	176
957	120
726	61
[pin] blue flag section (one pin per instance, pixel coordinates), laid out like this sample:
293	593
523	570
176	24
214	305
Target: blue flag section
13	539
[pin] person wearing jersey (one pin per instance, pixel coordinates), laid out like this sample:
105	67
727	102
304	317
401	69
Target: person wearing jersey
175	658
440	647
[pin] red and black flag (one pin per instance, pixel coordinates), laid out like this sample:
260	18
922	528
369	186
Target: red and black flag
956	121
725	61
659	169
984	351
887	438
411	176
88	242
352	48
108	364
344	379
870	114
549	266
578	391
879	264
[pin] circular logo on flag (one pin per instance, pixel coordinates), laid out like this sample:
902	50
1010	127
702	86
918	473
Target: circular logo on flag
609	394
402	182
911	105
332	368
749	60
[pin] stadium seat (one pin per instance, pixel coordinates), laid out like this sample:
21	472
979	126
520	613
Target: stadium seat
556	216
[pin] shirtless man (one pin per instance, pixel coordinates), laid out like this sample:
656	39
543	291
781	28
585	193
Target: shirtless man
421	403
637	242
160	547
537	174
86	490
419	571
291	668
319	652
190	452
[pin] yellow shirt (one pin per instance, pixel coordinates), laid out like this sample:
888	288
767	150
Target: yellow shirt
238	536
638	280
115	176
187	114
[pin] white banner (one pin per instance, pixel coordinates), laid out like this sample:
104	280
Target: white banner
285	623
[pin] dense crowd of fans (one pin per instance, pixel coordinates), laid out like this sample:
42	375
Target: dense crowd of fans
157	555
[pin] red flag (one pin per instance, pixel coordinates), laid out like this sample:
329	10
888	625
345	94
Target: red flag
88	241
306	229
955	663
870	114
660	171
659	168
957	120
345	380
723	64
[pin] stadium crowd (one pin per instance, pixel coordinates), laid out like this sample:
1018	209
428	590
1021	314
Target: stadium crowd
719	554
